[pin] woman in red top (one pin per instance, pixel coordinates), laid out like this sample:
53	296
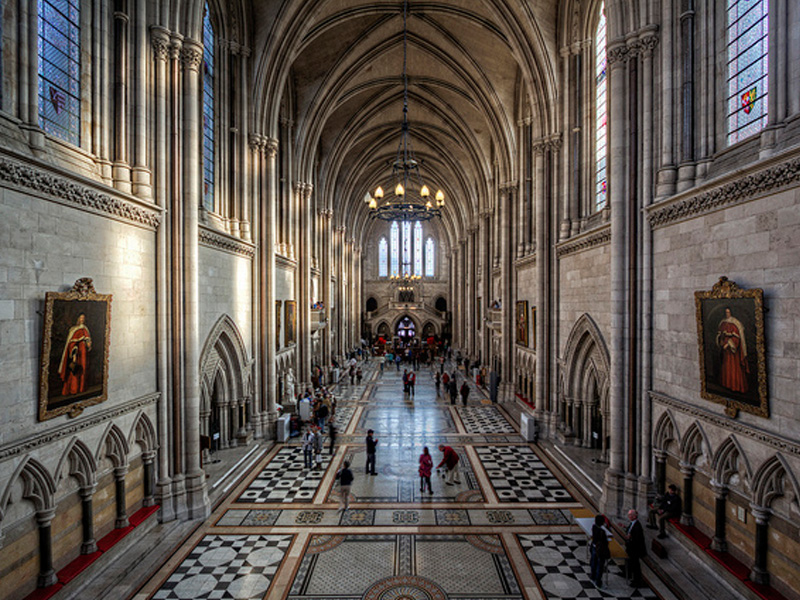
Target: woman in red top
425	468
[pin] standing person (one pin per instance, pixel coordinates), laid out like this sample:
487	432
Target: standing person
733	353
74	358
437	380
331	435
308	447
600	550
372	444
397	359
425	468
453	389
405	381
636	549
322	415
450	461
352	374
464	392
317	444
345	477
412	380
359	375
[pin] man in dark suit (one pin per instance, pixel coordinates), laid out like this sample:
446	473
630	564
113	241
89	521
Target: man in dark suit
635	548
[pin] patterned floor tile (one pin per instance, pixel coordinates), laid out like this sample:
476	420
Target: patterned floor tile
284	479
517	475
223	567
484	419
561	563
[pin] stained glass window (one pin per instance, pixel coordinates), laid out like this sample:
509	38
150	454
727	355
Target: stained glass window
60	69
601	112
406	247
430	257
418	248
394	253
208	112
383	258
748	42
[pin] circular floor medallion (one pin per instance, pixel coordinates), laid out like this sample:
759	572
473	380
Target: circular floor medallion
405	587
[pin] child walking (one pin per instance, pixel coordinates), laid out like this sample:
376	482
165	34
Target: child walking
425	468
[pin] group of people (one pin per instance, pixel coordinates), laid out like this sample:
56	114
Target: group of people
668	507
409	382
451	387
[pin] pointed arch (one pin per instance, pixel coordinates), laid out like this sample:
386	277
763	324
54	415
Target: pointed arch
729	460
224	349
144	433
80	462
666	432
771	479
114	446
586	350
694	445
38	485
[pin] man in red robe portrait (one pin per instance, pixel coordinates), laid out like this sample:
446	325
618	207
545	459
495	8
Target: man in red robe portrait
731	342
74	360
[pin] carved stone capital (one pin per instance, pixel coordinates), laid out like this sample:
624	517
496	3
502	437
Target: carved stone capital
617	53
271	148
159	39
648	43
191	57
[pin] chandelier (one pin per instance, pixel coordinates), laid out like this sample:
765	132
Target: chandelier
412	198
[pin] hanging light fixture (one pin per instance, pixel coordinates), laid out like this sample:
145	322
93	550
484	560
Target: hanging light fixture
412	198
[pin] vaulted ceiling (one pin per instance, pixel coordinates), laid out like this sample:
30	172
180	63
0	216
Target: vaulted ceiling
475	69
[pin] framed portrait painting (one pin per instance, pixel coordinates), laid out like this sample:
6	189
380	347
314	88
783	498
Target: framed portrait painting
730	337
533	327
522	322
75	345
291	322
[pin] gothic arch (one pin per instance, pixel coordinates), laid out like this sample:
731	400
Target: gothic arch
729	460
666	433
82	465
224	349
144	434
586	348
114	446
770	482
695	445
38	485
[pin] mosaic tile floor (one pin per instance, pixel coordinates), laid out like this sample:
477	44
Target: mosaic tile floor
506	532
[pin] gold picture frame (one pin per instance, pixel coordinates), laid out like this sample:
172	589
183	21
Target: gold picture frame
730	337
278	324
291	322
522	323
533	328
75	347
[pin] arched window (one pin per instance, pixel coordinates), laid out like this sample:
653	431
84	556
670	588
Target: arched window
430	257
60	69
406	247
383	258
208	112
748	44
601	111
394	236
418	248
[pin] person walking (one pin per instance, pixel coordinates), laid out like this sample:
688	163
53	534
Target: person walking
600	550
359	375
308	448
425	468
453	389
345	478
464	392
437	380
331	435
412	380
405	381
317	444
635	548
450	460
397	359
372	444
322	415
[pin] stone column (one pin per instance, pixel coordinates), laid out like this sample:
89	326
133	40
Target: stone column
267	242
469	288
160	42
89	545
719	542
197	496
326	271
47	575
121	501
508	289
141	174
148	461
661	470
667	174
540	231
486	286
304	348
758	572
121	171
687	471
29	73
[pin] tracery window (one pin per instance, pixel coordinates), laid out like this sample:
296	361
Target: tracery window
208	112
748	44
430	257
383	258
394	235
60	69
406	248
418	249
601	112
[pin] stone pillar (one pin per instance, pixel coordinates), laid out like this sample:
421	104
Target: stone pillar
540	207
508	292
486	287
148	460
667	174
160	41
197	495
686	170
29	73
758	572
719	543
141	174
304	348
469	288
268	237
121	501
326	271
661	471
47	575
688	477
121	171
89	545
